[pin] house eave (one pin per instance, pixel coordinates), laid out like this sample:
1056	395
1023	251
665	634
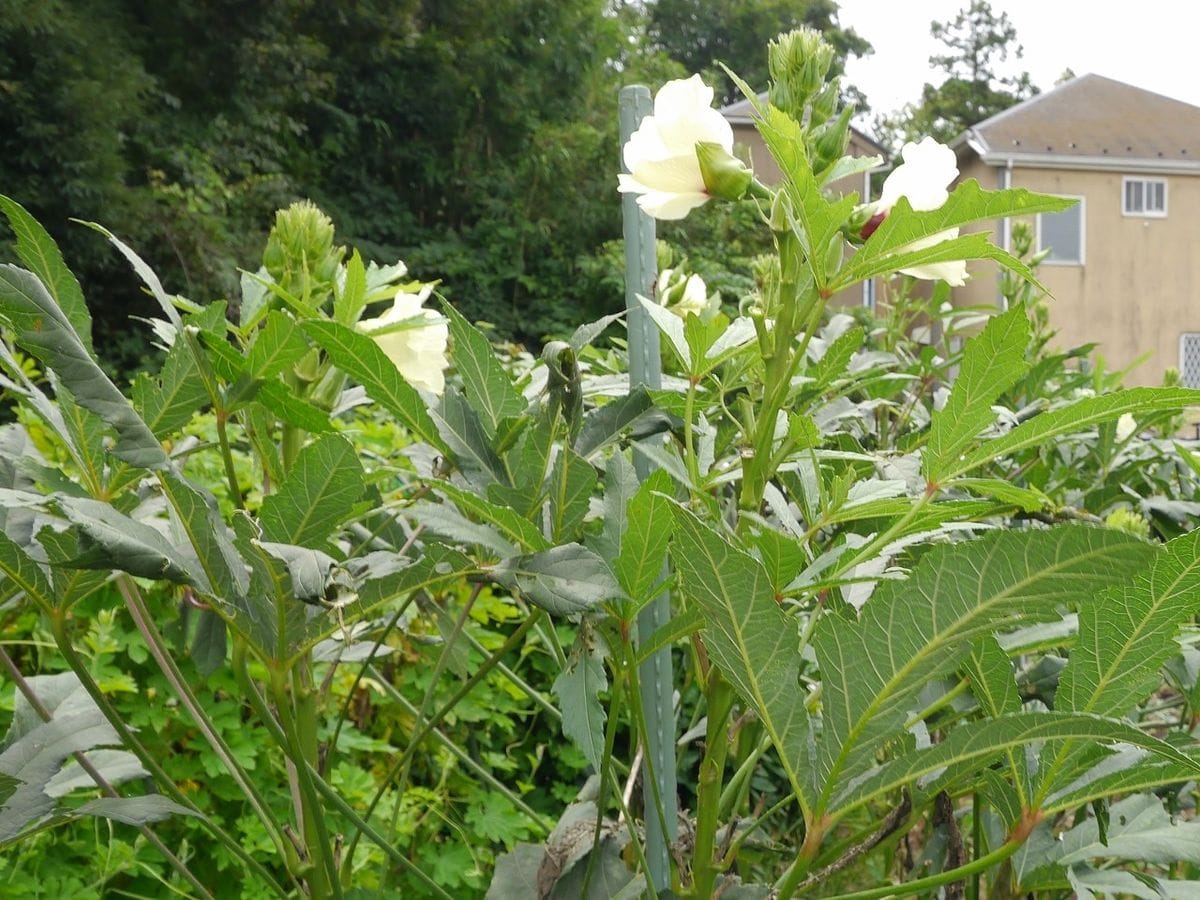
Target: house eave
1089	163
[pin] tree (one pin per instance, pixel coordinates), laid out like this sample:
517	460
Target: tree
699	34
977	41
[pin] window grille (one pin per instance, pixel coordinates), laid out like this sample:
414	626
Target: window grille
1189	359
1144	197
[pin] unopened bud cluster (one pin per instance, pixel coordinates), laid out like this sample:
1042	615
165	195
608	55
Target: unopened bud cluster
300	256
799	62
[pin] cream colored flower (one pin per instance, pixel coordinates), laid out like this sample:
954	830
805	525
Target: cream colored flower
664	169
923	178
682	294
1126	426
414	339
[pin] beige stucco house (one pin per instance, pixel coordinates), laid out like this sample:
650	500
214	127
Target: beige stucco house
741	116
1124	264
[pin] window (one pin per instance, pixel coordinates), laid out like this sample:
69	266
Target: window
1144	197
1189	359
1062	232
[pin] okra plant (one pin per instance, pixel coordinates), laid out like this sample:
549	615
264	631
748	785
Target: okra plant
909	662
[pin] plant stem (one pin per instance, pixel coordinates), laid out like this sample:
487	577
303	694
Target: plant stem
35	703
344	712
732	790
532	693
297	716
364	827
712	769
607	778
462	756
976	843
648	762
921	885
438	669
425	728
154	642
131	742
235	493
689	441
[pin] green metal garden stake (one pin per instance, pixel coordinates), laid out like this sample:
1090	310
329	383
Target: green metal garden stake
655	678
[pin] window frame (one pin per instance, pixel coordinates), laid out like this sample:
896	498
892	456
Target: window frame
1082	207
1144	213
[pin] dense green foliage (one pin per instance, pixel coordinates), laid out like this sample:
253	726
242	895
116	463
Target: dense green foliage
342	604
474	140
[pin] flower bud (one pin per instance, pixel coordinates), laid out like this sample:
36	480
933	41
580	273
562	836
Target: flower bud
725	176
831	140
871	224
825	103
798	62
300	252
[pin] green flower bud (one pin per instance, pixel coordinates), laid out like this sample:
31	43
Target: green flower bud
798	62
300	255
1125	519
830	141
825	103
725	176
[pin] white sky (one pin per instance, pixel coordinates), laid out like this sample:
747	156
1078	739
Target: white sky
1152	44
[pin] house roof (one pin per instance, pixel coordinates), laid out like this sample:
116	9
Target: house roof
742	113
1092	122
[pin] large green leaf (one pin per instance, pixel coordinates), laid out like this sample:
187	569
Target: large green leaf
1128	632
272	394
321	490
486	384
134	810
445	521
571	484
912	631
360	358
1138	829
1124	771
461	431
521	531
746	633
35	751
977	742
28	576
564	580
992	362
279	344
968	203
818	217
606	424
70	584
578	689
642	558
44	330
38	251
197	515
124	543
383	577
975	245
168	401
1077	417
268	616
